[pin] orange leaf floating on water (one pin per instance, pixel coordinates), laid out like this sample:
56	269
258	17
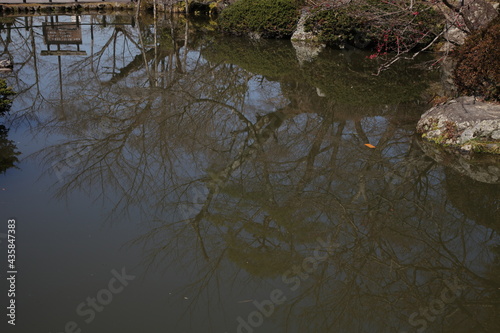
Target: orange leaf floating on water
369	145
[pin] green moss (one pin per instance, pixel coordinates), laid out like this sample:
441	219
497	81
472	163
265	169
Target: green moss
268	18
482	146
440	140
449	132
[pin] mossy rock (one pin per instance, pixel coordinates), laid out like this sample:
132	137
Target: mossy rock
463	123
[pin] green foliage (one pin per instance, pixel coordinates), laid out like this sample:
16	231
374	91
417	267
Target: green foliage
336	26
386	26
5	93
478	66
269	18
8	151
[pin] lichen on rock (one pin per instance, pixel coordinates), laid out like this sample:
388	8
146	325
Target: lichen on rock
464	123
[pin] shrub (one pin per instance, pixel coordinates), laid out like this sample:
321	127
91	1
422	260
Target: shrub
478	66
5	93
336	26
268	18
8	152
387	26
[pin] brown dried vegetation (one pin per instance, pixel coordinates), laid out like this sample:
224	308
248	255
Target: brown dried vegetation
478	67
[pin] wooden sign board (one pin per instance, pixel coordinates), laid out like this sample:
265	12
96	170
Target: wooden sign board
63	53
62	33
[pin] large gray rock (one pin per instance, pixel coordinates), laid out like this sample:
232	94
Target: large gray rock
478	14
475	15
300	34
453	36
463	123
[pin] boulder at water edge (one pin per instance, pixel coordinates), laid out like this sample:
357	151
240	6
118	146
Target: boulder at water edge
464	123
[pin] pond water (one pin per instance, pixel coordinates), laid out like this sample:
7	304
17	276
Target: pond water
173	180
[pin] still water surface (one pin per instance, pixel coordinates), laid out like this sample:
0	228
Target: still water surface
171	180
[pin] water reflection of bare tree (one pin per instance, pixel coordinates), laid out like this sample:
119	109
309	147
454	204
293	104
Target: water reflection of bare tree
18	42
272	185
250	192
